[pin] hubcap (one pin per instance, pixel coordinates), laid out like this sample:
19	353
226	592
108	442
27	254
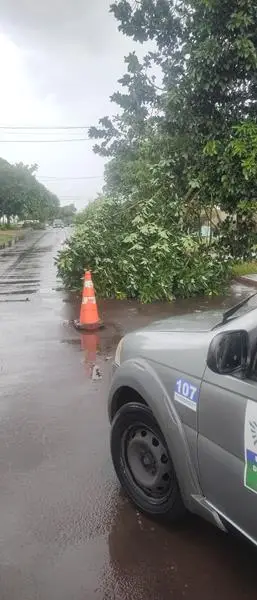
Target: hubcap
147	460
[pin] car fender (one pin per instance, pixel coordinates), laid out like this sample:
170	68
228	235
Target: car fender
139	375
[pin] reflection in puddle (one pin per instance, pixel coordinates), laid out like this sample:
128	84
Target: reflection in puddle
121	317
190	560
8	300
92	347
89	344
14	280
71	342
17	292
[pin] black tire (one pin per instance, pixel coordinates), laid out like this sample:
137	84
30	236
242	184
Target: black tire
129	453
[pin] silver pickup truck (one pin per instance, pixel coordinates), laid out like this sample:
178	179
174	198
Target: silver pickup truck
183	412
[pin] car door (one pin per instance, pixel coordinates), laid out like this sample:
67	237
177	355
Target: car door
227	447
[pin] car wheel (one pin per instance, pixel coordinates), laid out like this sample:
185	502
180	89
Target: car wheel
142	462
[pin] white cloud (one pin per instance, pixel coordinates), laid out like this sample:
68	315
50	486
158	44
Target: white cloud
60	61
18	101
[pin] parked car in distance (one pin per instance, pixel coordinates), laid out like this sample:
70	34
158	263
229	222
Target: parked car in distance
183	412
58	223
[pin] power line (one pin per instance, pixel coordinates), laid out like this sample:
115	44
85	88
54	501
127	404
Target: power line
39	132
44	141
44	134
50	178
41	128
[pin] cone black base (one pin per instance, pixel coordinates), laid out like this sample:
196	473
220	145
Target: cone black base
87	327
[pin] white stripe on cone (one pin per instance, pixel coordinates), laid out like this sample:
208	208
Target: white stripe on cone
90	300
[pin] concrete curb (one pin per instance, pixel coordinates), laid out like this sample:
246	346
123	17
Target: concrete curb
247	280
12	242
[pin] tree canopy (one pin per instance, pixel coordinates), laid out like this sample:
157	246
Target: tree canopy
22	196
67	213
183	143
198	126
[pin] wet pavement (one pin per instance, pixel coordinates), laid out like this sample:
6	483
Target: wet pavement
249	279
67	531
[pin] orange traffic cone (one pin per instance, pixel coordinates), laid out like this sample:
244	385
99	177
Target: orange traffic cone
89	318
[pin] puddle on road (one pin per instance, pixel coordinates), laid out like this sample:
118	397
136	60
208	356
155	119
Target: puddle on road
28	269
124	316
75	342
14	280
7	300
17	292
8	254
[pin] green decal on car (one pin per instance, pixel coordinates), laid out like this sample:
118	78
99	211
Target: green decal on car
250	475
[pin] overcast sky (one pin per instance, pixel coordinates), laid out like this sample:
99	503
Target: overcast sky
59	61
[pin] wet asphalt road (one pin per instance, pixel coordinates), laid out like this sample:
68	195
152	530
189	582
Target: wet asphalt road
67	532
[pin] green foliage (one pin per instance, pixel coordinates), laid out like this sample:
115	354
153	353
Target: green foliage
21	195
231	166
135	257
244	268
231	169
67	213
8	235
206	55
182	146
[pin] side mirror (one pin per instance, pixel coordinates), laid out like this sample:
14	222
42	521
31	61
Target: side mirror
228	352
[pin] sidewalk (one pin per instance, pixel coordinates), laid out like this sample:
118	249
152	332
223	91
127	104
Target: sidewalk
248	279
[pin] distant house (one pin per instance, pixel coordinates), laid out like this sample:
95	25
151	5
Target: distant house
209	222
